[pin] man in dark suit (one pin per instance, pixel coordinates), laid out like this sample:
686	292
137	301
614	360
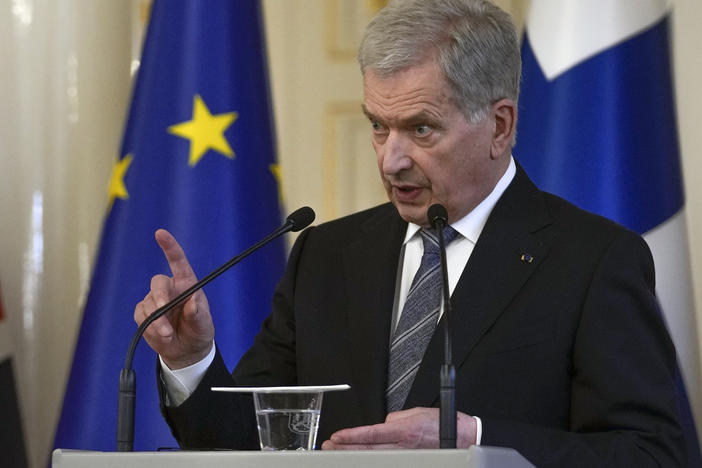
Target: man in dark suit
559	348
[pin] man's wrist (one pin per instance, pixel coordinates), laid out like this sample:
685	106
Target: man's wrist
181	383
469	430
189	360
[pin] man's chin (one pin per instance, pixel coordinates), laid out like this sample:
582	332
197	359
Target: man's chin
416	214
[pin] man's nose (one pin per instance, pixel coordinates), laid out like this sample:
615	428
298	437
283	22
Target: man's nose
396	153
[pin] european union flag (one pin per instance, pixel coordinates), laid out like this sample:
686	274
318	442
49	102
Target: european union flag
597	127
198	160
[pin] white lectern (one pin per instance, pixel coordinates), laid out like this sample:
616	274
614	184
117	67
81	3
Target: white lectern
474	457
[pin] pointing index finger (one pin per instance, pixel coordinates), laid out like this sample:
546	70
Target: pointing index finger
177	261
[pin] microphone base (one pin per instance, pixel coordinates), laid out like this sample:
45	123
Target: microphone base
447	412
125	411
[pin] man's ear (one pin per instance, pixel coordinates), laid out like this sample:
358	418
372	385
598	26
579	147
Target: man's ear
505	115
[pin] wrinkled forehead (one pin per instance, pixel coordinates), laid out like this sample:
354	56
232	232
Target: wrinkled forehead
412	89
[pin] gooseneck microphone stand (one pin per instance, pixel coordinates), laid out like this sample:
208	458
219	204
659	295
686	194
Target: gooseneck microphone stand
438	217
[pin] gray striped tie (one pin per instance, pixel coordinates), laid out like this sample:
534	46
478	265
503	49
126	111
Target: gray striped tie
417	322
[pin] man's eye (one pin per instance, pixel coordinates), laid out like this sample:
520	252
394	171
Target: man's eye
377	126
422	130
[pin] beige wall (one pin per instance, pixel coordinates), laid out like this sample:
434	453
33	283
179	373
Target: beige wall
64	85
687	40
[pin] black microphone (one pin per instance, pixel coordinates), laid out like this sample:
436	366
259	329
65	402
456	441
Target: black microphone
438	218
297	221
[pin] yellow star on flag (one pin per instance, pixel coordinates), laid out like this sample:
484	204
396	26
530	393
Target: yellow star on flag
116	187
278	175
205	131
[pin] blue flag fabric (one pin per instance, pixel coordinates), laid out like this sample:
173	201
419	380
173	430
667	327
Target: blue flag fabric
600	131
197	159
603	134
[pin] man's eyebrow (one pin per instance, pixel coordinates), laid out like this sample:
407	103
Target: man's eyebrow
366	112
420	117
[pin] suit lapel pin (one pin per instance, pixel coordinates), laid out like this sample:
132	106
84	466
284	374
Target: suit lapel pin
527	258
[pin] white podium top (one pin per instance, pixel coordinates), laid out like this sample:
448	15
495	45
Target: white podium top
474	457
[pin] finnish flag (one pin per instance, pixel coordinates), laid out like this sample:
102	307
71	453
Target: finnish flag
597	126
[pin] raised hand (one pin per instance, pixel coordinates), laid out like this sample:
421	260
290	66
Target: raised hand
184	335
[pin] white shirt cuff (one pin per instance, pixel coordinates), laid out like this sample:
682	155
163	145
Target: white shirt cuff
478	430
181	383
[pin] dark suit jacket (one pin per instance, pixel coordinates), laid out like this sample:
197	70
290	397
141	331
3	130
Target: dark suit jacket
565	357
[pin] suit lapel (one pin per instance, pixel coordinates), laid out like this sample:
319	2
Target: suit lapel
370	266
493	275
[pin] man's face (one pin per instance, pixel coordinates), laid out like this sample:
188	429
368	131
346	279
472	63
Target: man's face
427	151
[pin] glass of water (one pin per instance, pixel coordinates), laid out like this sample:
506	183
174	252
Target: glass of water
288	418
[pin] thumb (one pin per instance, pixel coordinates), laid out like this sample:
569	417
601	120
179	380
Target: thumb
196	310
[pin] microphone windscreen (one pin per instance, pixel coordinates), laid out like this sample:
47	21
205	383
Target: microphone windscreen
301	218
437	212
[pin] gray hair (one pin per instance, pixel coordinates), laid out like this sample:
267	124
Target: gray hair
474	43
